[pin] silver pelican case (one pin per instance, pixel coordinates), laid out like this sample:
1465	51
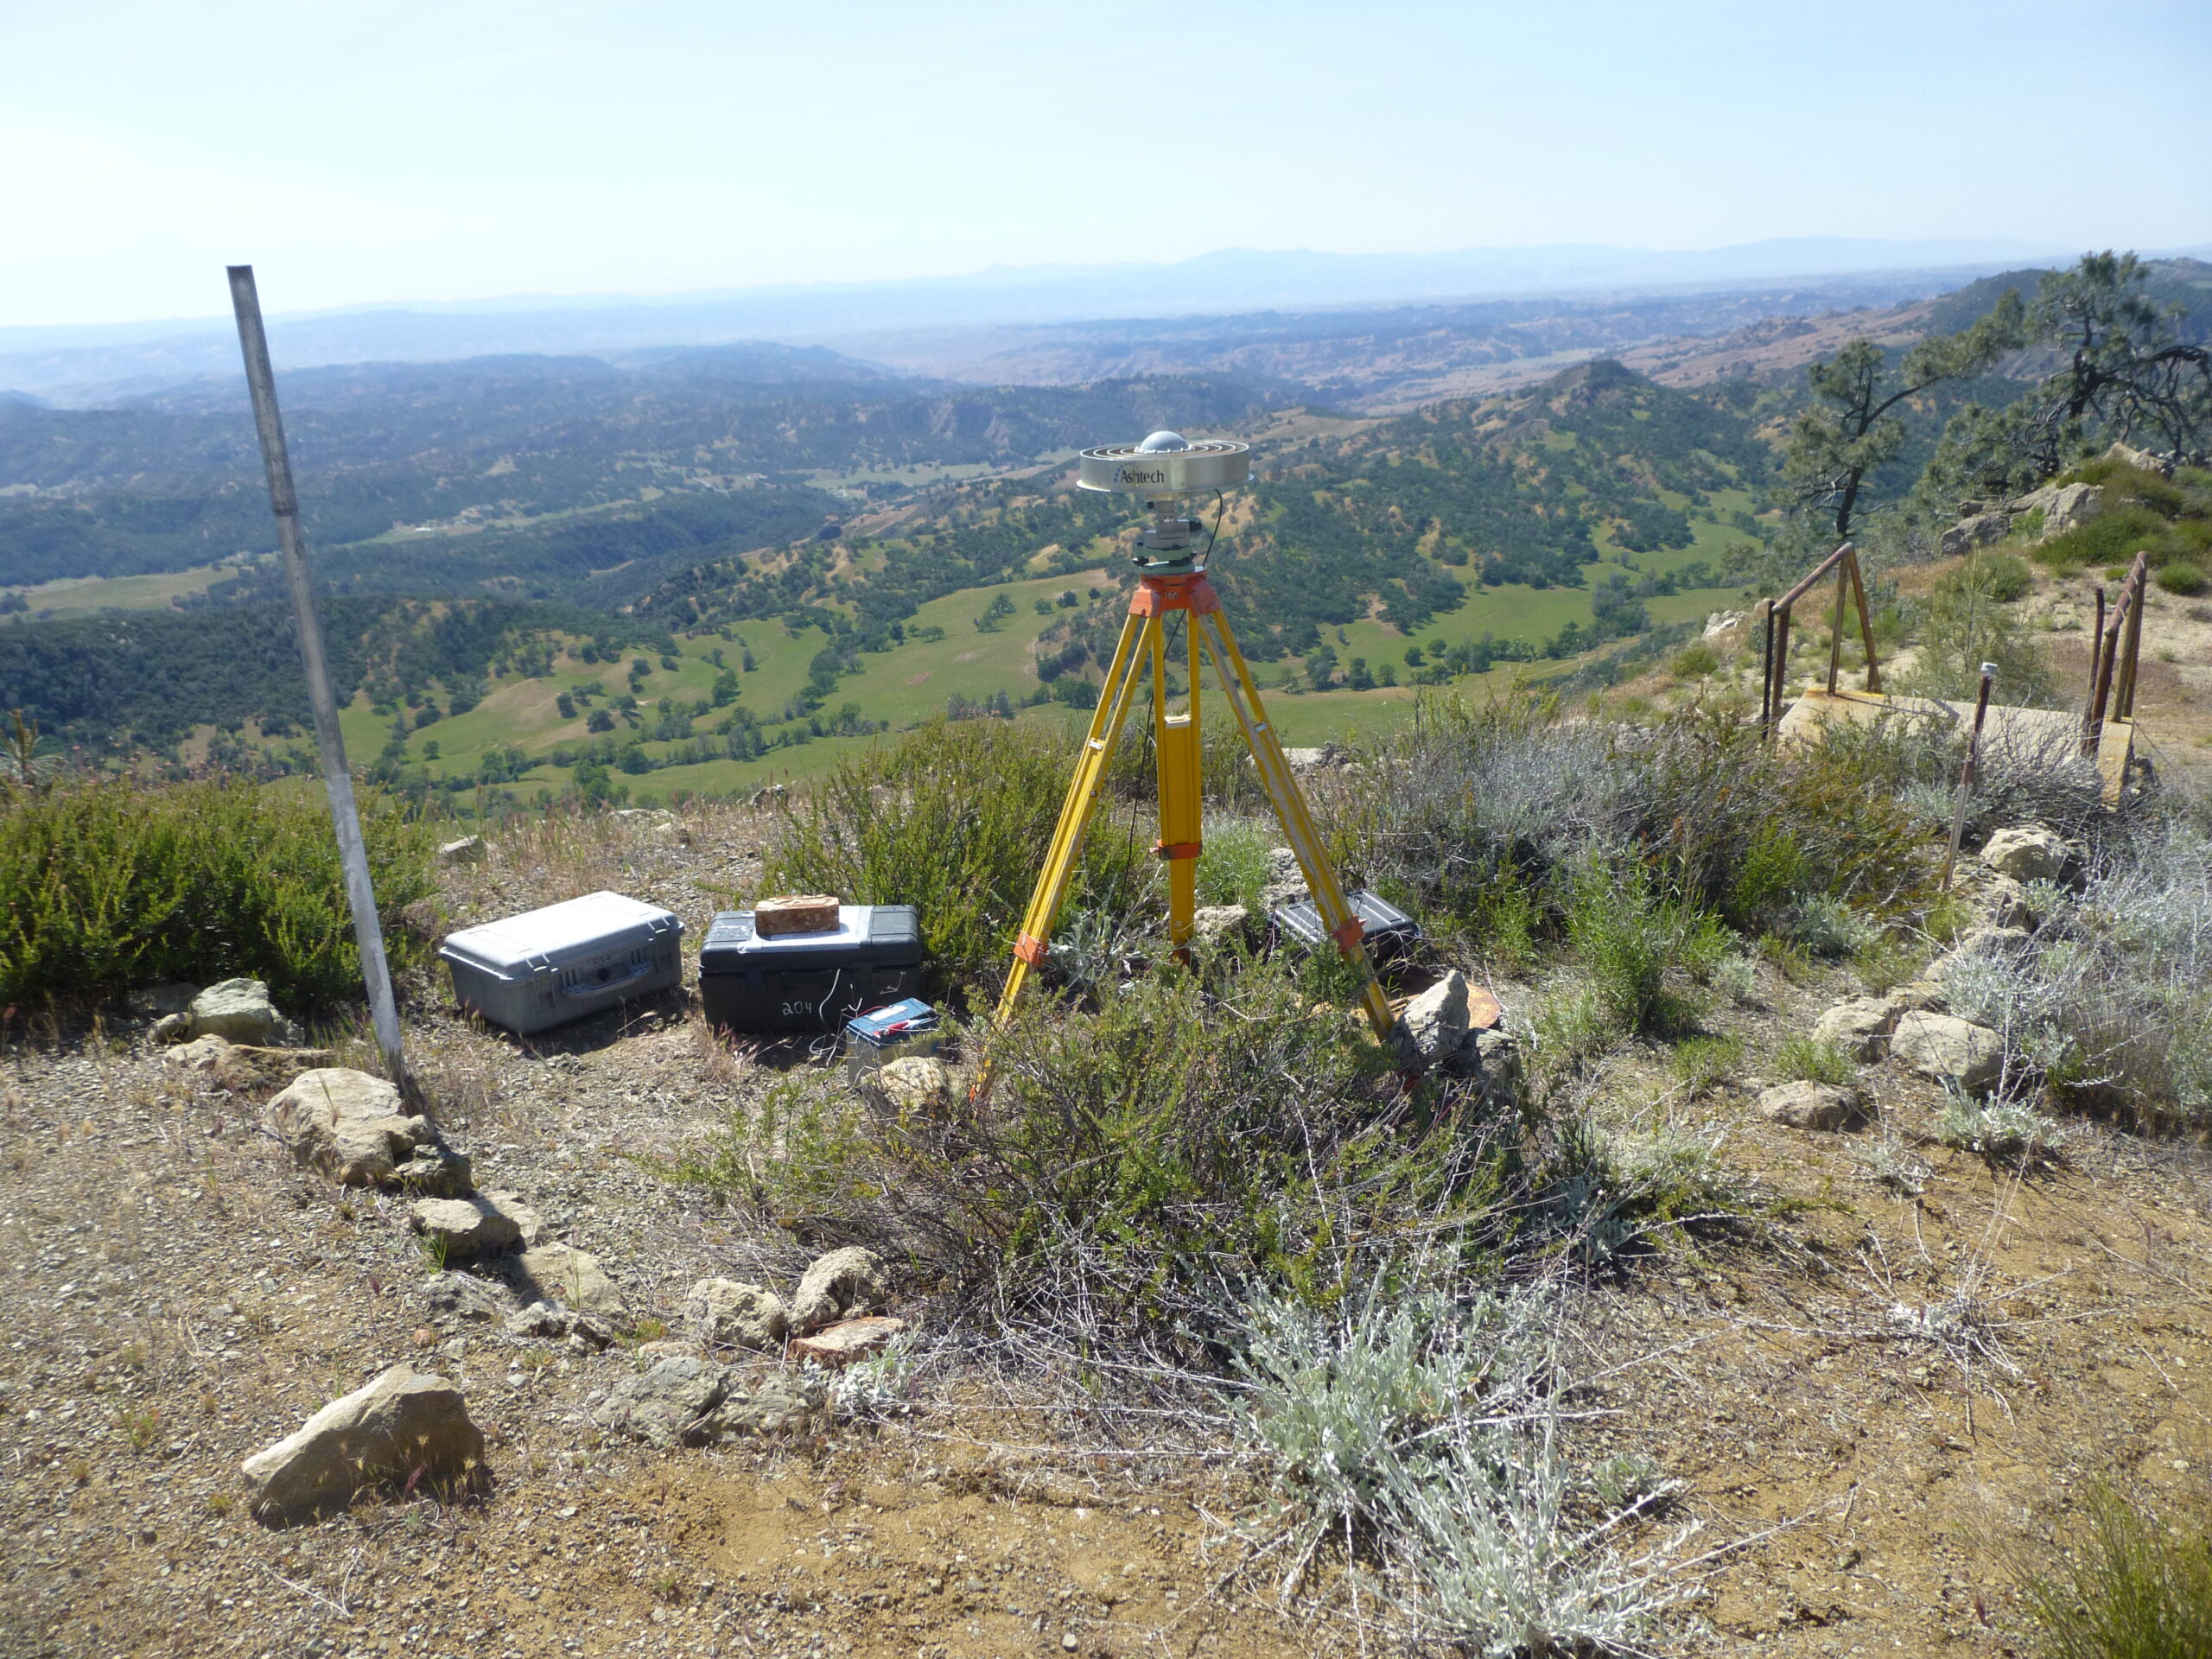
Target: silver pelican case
545	966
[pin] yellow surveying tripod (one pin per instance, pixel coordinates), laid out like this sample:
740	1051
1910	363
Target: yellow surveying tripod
1168	470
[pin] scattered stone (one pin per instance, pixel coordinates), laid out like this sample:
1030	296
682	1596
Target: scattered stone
2072	506
463	1295
1719	622
586	1332
353	1128
835	1346
1947	1050
1285	882
1975	942
670	1348
171	1028
1810	1106
2009	903
161	1002
725	1312
243	1069
558	1272
1860	1027
469	849
238	1010
670	1405
1319	759
1212	923
2026	852
785	1402
1916	996
839	1286
526	1220
466	1227
404	1426
2162	465
1433	1025
916	1083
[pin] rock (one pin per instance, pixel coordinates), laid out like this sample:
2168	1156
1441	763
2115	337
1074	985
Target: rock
841	1285
725	1312
466	1227
555	1273
160	1001
585	1331
1719	622
1285	882
672	1404
2026	852
2007	903
464	1296
241	1068
1916	996
2142	458
835	1346
1975	943
2069	507
469	849
403	1426
1860	1027
1810	1106
1948	1050
510	1205
787	1402
1329	755
353	1128
1214	923
1979	531
238	1010
670	1348
1434	1023
915	1083
171	1028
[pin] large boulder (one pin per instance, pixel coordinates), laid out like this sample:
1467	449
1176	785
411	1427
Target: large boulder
1433	1025
1945	1049
353	1128
726	1312
1860	1027
2072	506
463	1228
240	1011
2025	852
403	1426
1979	531
841	1284
1810	1106
558	1272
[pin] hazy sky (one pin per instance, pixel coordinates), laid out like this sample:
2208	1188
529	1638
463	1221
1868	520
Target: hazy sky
364	151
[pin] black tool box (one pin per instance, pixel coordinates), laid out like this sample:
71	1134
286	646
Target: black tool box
1390	929
809	982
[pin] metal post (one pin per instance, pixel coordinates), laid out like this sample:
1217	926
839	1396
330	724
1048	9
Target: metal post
1966	775
337	779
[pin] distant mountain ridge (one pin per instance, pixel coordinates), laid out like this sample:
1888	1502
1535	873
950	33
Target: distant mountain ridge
137	356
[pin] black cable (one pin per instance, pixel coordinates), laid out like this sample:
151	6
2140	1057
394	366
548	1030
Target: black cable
1219	508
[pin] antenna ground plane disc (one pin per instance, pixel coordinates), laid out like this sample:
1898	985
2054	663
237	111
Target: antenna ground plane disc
1152	469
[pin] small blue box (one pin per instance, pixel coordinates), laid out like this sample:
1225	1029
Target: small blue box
892	1024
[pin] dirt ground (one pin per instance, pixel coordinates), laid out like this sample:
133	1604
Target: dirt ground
174	1295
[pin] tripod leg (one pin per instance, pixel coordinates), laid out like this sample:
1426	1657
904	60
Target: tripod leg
1290	811
1176	738
1052	881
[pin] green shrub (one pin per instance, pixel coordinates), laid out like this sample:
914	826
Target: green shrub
1962	624
2184	578
1134	1164
2134	1587
1801	1059
1233	862
2112	538
107	885
2005	578
1694	661
956	819
1701	1063
1628	940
